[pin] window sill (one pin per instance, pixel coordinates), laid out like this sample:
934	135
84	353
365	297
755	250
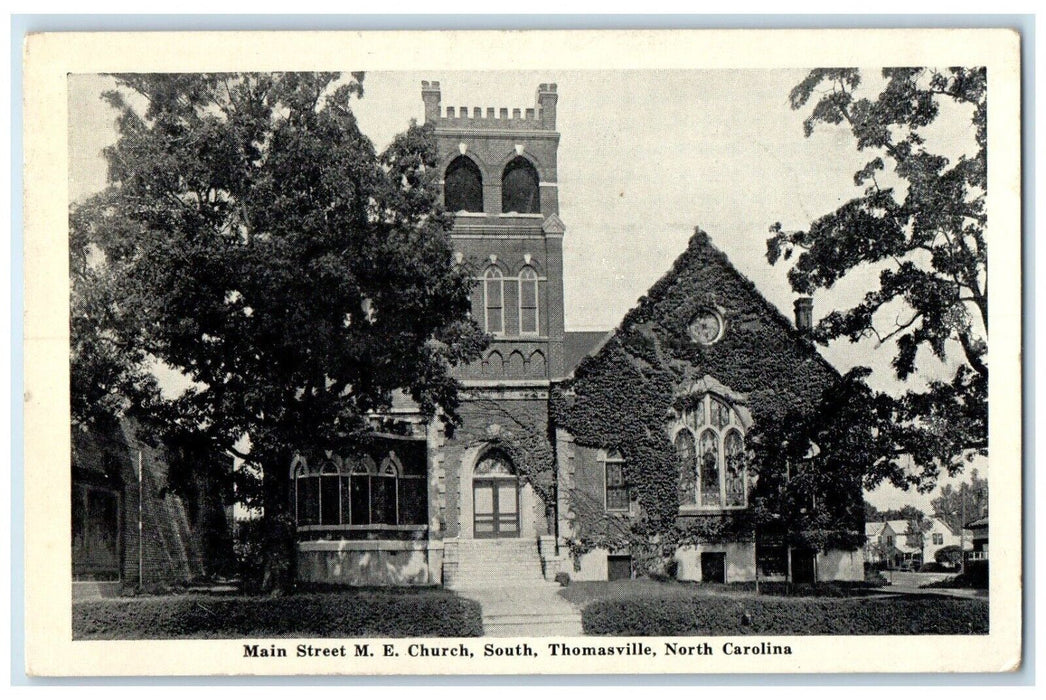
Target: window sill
361	528
369	546
709	510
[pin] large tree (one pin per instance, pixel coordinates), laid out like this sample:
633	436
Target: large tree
252	239
919	222
958	506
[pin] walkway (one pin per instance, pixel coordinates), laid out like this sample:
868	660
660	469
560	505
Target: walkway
530	610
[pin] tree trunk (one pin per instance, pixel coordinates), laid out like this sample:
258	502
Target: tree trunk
277	534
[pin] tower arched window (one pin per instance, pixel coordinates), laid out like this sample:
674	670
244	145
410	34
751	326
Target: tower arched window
528	301
712	458
494	301
463	186
519	188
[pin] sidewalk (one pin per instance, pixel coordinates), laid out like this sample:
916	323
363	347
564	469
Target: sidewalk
531	610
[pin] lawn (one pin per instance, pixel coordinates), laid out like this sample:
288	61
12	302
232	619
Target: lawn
650	608
362	613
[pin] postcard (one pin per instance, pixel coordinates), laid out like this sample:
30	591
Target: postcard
492	352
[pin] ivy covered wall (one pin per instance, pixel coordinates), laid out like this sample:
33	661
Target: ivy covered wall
622	398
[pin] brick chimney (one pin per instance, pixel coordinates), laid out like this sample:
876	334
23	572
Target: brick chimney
431	97
804	314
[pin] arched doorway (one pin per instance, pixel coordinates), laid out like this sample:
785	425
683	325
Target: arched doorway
495	497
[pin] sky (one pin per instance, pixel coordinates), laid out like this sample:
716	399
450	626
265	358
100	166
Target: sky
644	157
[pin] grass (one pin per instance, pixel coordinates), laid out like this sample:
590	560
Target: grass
651	608
344	614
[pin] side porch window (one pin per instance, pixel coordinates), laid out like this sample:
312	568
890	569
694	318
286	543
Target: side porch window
359	493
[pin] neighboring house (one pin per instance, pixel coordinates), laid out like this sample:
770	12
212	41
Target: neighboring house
904	547
502	496
979	539
179	541
877	548
936	536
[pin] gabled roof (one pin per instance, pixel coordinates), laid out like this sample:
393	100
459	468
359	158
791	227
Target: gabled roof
874	529
898	526
579	344
760	354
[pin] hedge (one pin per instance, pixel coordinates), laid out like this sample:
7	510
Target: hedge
422	614
666	616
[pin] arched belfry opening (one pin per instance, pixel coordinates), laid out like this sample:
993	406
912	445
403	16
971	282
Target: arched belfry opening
519	188
463	186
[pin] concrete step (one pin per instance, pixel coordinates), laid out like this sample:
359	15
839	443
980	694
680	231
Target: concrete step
534	618
545	630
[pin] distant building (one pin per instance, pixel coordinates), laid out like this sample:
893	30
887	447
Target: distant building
979	539
904	546
180	541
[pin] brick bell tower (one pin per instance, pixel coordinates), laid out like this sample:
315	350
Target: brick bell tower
498	170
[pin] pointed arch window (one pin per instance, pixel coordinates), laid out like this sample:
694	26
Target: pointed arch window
494	301
519	188
463	186
528	301
708	470
686	451
713	468
734	472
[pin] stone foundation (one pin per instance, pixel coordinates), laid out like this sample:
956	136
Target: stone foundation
371	562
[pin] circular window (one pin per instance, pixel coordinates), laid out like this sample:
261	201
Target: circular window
706	327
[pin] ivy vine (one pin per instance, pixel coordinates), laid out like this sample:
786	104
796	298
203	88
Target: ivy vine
623	397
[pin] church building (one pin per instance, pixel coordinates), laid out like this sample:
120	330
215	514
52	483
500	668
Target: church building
558	429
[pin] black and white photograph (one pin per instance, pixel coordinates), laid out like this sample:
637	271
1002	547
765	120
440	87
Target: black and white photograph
579	368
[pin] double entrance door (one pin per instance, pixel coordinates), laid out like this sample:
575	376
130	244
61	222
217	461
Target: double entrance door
495	507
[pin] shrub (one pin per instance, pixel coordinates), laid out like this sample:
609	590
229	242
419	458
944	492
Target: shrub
668	616
934	568
975	576
412	614
874	577
563	578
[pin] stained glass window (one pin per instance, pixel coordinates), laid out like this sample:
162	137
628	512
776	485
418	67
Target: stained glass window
687	453
735	469
710	469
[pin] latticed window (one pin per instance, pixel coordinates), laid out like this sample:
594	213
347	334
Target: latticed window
617	497
528	301
494	301
712	458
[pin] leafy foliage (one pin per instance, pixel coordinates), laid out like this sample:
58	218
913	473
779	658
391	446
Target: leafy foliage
705	615
958	506
356	614
920	221
252	239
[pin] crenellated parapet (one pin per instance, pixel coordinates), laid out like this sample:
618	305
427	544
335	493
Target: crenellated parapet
540	117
